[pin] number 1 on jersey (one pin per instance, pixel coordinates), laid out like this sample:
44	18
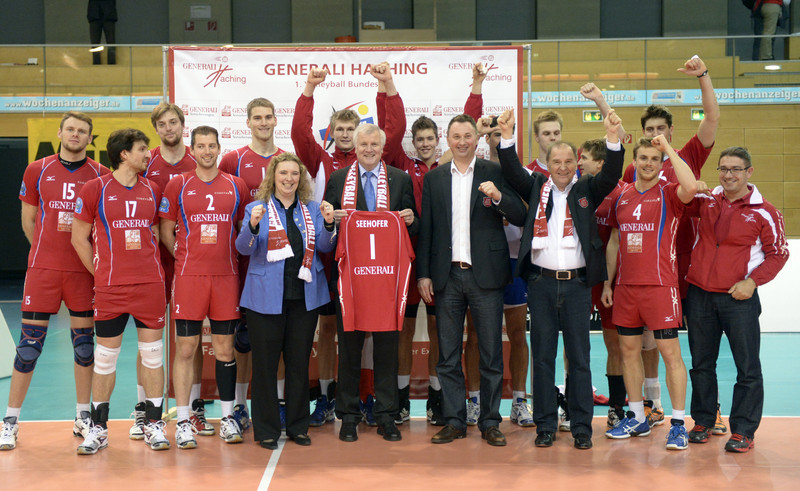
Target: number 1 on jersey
372	246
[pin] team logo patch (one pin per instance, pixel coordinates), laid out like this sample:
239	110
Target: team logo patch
78	205
23	189
164	207
583	202
487	202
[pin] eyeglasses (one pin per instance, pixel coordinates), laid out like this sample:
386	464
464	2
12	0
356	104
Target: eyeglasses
736	171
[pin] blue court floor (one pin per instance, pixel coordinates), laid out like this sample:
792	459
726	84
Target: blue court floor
52	393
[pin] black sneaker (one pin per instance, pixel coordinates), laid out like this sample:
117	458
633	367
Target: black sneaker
699	434
739	443
433	408
404	404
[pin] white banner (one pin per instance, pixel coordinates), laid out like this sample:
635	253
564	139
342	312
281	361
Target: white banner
213	86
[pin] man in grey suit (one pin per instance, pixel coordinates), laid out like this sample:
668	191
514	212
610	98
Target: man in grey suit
561	257
462	260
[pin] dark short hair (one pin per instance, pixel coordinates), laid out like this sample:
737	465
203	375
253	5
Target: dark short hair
595	148
424	123
463	118
122	140
79	116
739	152
204	130
562	143
657	111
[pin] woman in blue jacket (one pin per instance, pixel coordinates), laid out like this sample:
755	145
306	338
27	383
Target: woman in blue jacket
282	232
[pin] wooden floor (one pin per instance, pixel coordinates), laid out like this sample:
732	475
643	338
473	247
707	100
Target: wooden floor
45	458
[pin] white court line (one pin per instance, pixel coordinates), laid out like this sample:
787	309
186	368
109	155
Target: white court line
266	479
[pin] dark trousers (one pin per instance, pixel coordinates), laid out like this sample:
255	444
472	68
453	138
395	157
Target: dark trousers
486	305
290	333
384	361
710	314
96	28
565	305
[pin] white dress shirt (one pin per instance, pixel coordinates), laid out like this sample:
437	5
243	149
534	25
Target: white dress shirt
461	188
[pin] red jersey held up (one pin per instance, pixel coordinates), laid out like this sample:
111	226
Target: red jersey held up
374	253
53	188
206	214
160	171
250	166
125	247
647	224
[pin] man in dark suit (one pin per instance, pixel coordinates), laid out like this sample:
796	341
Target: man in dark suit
561	257
462	259
370	181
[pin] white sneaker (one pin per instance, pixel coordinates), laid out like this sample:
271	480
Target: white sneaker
521	414
137	430
198	419
96	439
82	424
184	435
229	430
473	411
563	422
8	436
155	435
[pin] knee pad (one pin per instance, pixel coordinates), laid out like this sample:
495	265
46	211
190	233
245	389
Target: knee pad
31	341
152	354
241	338
648	340
83	345
105	359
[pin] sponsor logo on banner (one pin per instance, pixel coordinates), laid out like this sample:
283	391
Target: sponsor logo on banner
326	134
217	73
236	112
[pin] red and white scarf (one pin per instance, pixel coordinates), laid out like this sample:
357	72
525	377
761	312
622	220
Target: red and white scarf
278	246
350	189
540	223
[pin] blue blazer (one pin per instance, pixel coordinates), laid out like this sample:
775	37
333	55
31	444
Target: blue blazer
263	287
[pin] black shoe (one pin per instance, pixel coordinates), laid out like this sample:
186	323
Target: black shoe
448	434
433	408
270	444
494	436
302	439
390	432
404	404
582	441
545	439
348	432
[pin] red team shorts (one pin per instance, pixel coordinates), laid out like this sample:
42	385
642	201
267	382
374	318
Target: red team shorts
196	297
144	301
168	263
657	307
605	313
46	288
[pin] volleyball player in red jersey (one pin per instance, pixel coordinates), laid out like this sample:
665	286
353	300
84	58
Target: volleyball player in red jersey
55	273
641	251
115	234
200	213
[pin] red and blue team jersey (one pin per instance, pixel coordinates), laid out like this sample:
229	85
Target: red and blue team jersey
160	171
53	188
206	215
125	247
647	223
250	166
602	213
374	253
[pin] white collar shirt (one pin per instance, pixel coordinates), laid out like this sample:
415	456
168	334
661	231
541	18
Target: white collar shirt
461	188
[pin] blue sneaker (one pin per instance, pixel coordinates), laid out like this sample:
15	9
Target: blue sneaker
282	410
241	416
677	438
629	427
322	414
366	411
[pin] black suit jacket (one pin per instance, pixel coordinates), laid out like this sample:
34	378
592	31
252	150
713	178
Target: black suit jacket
583	200
489	247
